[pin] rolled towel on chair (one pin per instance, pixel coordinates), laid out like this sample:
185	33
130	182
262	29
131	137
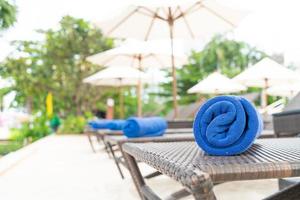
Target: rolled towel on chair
99	124
145	127
116	124
227	125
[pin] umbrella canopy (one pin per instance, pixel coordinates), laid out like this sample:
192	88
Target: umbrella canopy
189	19
142	54
117	76
266	73
217	83
286	90
6	83
172	18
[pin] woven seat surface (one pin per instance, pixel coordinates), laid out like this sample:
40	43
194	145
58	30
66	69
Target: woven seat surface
172	135
165	138
267	158
109	132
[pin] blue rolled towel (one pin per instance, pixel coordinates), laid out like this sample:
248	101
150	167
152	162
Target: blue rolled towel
227	125
116	124
145	127
99	124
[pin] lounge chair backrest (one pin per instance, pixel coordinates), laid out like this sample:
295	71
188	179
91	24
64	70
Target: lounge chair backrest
293	104
287	123
180	124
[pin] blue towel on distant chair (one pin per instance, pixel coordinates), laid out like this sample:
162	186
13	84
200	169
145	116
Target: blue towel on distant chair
227	125
99	124
116	124
145	127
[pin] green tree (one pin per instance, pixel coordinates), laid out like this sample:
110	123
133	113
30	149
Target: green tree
228	56
7	14
57	64
3	92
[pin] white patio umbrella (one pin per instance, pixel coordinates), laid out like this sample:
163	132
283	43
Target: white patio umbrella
117	76
173	19
141	55
217	83
6	82
285	90
264	74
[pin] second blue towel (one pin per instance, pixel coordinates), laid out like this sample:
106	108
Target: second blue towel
99	124
116	124
145	127
227	125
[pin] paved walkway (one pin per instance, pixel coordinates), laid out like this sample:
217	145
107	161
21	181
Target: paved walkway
64	168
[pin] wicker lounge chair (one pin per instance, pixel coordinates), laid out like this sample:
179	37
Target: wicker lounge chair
115	143
197	172
174	126
287	123
180	124
99	135
290	193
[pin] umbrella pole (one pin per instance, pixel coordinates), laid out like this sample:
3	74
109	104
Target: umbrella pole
264	100
139	91
292	93
121	99
174	83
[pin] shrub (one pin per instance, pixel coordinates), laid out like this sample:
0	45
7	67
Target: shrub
17	135
73	124
33	130
9	147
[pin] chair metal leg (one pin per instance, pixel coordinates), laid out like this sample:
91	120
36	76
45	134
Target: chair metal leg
290	193
179	194
106	147
138	179
115	159
152	175
202	188
89	135
148	193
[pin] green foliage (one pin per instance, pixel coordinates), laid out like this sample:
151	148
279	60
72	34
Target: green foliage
88	115
6	148
153	108
17	135
3	92
150	104
38	127
228	56
35	129
57	64
130	101
7	14
73	124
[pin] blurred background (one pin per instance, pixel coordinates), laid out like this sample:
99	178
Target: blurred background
43	61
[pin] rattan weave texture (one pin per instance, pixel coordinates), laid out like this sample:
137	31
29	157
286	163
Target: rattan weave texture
267	158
